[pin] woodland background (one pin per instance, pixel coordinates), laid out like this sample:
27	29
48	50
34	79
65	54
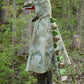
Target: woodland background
15	38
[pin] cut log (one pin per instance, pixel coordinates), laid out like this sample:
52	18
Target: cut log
76	43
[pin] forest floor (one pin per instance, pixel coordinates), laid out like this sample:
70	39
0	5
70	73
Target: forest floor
12	69
75	72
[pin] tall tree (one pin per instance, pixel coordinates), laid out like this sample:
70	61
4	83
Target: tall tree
77	38
5	11
80	12
26	32
14	25
66	8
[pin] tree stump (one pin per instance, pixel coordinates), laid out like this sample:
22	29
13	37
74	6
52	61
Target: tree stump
76	43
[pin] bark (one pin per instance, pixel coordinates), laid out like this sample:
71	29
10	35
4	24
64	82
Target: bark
79	27
77	38
76	42
5	12
66	9
26	32
14	25
0	11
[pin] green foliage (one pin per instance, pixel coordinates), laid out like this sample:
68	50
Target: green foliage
12	68
62	71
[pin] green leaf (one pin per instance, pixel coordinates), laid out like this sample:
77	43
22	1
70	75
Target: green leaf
62	71
4	7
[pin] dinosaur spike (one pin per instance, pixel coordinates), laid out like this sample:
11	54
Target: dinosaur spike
54	33
58	52
61	65
55	39
54	26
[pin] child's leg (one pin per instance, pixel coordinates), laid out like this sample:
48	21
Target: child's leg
49	77
41	78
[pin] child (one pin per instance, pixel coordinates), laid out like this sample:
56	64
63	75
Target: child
41	52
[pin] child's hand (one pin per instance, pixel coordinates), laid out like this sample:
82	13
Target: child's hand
34	19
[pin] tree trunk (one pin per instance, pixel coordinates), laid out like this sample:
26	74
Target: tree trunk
66	9
14	24
77	38
26	32
5	12
79	26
